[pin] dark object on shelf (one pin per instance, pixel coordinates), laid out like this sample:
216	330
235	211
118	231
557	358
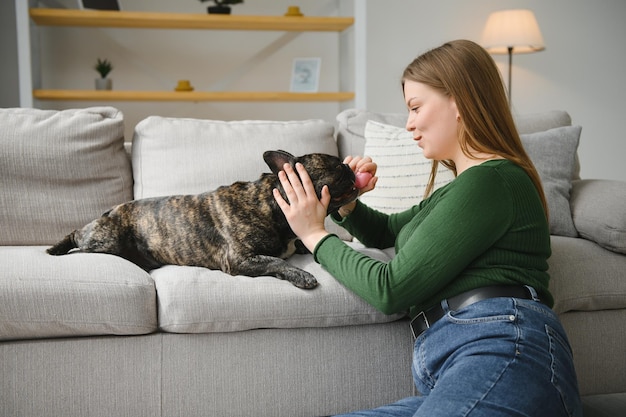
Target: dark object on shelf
221	6
100	4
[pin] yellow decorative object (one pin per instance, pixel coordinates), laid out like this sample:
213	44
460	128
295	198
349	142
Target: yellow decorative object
184	85
293	11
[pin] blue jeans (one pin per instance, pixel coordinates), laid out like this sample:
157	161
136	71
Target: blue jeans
497	357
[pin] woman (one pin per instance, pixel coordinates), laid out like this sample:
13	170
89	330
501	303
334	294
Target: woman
471	262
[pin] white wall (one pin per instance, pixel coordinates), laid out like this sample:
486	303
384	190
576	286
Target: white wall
580	71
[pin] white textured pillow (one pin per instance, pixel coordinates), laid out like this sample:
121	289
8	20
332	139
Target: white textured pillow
403	170
190	156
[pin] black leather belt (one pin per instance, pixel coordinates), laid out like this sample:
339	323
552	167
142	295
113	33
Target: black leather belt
427	318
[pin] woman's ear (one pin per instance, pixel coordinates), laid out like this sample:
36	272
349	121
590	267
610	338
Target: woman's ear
455	109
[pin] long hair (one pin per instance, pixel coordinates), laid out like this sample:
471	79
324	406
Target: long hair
463	70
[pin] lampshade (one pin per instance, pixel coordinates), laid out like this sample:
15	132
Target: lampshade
516	29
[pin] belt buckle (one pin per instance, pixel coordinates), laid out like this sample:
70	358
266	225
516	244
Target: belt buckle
423	317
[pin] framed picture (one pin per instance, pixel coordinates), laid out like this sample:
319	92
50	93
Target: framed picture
305	75
99	4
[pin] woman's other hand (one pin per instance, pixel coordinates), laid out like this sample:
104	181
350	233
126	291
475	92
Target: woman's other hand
304	212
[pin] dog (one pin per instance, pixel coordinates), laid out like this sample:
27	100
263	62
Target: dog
239	229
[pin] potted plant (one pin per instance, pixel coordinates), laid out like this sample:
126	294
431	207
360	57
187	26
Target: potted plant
221	6
103	67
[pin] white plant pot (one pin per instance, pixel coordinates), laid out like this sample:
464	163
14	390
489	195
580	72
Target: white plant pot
104	84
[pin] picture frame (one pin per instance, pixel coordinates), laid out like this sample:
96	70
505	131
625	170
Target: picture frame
305	75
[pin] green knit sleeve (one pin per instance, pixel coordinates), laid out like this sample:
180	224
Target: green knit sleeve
373	228
450	230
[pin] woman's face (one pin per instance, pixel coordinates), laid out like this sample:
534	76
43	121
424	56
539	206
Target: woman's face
433	119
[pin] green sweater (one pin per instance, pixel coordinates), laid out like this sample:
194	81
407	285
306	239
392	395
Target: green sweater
486	227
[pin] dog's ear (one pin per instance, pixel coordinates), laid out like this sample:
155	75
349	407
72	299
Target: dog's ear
277	159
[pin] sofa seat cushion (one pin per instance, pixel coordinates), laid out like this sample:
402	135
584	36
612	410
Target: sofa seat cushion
199	300
73	295
585	277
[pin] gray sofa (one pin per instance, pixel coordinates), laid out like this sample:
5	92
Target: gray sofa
94	335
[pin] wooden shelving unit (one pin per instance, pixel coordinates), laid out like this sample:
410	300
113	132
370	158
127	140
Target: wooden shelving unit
244	96
153	20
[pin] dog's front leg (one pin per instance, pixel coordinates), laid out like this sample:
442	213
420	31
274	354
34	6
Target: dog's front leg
259	265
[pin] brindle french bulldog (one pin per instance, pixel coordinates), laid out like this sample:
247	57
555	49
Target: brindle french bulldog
239	229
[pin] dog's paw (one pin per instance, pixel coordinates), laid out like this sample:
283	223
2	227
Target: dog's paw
302	279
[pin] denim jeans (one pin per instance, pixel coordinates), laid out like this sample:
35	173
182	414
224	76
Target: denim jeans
497	357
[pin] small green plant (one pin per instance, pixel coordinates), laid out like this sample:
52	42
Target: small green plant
104	67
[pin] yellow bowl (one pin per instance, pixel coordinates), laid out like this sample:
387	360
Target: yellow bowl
184	85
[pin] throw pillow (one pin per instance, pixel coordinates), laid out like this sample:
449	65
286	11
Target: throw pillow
554	154
403	170
59	170
598	212
188	156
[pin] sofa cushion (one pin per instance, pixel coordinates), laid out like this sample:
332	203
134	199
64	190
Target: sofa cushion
59	170
198	300
539	122
403	170
351	128
585	277
599	212
553	153
78	294
190	156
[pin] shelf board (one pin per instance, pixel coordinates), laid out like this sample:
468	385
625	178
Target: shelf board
159	20
249	96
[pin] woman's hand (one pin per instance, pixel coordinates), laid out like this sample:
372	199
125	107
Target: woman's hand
305	213
358	165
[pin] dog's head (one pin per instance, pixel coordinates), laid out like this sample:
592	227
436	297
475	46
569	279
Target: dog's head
324	170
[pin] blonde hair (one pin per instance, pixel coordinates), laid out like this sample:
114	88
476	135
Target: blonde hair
463	70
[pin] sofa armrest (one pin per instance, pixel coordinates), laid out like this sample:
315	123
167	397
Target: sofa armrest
599	212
